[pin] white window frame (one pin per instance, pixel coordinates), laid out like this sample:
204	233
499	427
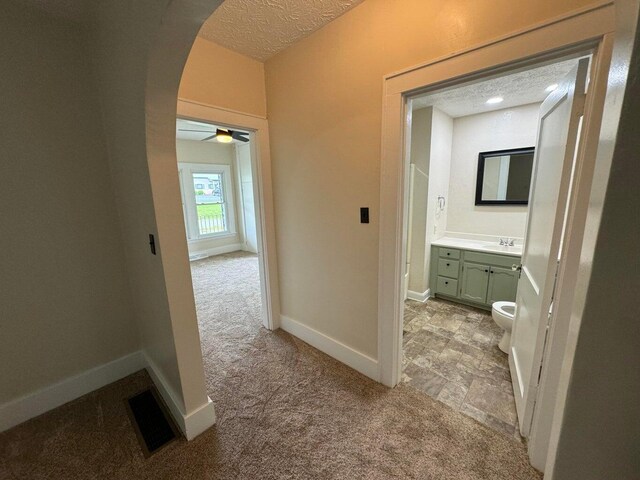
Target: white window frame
186	171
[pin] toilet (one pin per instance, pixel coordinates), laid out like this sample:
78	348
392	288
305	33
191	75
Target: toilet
502	313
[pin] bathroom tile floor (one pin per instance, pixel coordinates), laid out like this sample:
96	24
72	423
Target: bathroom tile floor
451	353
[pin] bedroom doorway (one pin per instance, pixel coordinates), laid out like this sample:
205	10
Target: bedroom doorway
223	170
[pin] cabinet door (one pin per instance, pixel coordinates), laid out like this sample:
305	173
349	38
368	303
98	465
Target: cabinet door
503	283
475	280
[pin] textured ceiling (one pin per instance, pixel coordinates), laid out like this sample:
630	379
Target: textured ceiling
262	28
520	88
183	125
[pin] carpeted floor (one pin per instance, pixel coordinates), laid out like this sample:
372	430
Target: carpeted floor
284	411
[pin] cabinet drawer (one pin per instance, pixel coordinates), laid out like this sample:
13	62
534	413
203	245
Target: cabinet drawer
448	268
447	286
449	253
488	259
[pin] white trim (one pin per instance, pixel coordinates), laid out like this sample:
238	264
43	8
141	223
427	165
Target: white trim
210	252
258	129
41	401
192	423
578	209
419	297
187	191
332	347
542	42
37	403
577	32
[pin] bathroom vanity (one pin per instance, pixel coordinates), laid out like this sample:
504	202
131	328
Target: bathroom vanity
474	273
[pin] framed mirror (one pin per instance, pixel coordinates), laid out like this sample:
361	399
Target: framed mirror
504	177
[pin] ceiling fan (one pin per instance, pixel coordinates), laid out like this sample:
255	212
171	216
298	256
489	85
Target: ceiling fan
223	136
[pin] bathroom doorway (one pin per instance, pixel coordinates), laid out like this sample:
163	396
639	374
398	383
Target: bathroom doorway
469	269
471	167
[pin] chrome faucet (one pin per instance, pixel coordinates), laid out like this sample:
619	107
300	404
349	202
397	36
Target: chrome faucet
507	242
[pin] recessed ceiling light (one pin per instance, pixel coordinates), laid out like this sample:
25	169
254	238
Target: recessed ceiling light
494	100
551	88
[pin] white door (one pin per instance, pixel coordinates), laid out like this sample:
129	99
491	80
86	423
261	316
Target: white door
558	127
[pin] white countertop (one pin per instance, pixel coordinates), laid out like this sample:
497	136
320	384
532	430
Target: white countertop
478	246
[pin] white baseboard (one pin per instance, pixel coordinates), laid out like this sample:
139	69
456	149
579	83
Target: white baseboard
419	297
29	406
210	252
341	352
192	423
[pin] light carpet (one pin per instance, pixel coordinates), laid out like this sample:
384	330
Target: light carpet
284	411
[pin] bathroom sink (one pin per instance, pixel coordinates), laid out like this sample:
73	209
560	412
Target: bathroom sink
479	246
515	249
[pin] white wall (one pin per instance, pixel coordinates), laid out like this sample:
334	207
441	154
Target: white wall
496	130
419	190
246	205
190	151
431	136
439	173
65	305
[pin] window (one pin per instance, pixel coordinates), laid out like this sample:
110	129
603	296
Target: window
207	200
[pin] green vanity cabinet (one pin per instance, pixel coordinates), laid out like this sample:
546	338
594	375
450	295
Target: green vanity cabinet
475	280
471	277
503	283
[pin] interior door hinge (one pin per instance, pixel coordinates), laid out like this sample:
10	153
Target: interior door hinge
544	350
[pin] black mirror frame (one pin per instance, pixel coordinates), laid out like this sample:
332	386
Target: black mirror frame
480	178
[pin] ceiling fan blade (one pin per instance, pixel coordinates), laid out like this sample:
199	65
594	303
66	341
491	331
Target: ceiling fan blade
209	138
239	136
199	131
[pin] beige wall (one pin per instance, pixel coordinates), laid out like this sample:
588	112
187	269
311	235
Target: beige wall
139	52
216	76
190	151
327	90
65	306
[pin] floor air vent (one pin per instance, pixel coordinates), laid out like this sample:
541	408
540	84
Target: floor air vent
152	423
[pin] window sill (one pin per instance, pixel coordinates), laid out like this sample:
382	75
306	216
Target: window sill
213	237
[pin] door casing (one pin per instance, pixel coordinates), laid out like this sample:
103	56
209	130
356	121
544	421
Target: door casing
258	129
582	32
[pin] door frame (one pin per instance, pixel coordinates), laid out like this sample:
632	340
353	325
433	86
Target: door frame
589	30
258	129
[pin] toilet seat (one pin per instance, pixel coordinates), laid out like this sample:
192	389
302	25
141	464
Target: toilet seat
503	313
506	309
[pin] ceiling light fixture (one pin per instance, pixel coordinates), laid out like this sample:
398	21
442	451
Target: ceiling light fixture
551	88
494	100
223	136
